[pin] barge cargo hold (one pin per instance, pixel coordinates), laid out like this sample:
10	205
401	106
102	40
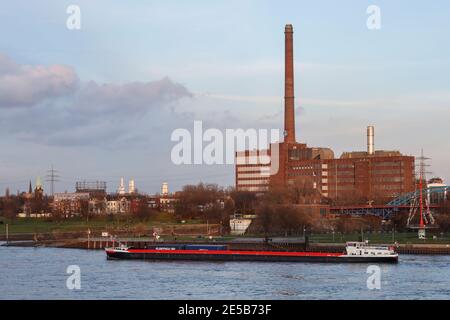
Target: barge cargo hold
355	253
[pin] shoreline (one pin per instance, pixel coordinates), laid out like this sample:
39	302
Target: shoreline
100	244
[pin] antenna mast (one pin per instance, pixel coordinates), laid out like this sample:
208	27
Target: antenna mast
52	177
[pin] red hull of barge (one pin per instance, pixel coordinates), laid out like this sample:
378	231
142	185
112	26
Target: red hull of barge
234	255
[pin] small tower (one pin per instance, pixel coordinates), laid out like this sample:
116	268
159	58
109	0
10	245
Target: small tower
38	189
38	185
165	189
121	189
131	187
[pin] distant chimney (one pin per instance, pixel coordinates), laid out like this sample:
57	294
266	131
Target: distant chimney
289	106
370	140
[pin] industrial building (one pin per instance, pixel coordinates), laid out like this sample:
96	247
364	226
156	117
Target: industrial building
359	177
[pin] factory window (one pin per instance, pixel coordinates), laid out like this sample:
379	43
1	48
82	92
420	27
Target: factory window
253	168
381	172
252	175
346	180
300	154
252	182
344	188
387	164
299	174
345	166
302	168
389	179
387	187
345	173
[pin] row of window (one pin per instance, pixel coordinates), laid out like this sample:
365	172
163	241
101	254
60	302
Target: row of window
389	179
252	168
254	175
253	189
388	164
253	182
387	187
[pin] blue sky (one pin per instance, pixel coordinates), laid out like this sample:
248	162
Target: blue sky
103	100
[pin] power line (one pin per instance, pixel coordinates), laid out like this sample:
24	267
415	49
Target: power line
52	177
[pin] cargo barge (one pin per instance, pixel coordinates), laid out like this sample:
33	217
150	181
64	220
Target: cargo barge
355	252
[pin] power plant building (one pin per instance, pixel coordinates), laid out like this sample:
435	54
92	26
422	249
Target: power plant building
362	176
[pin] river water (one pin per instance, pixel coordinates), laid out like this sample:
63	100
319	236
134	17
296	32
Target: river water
41	273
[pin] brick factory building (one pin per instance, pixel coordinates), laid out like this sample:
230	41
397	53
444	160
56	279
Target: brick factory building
358	176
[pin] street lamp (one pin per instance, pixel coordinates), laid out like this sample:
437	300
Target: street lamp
89	237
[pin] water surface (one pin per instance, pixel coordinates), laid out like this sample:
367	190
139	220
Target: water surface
40	273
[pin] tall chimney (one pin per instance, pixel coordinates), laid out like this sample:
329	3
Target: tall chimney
370	140
289	108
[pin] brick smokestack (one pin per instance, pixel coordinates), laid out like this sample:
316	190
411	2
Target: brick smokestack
289	107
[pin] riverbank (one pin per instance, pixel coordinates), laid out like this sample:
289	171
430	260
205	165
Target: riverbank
80	234
284	244
171	229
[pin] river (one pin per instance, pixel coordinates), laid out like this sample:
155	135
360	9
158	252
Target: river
41	273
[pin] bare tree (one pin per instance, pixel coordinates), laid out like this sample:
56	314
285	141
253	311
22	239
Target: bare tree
84	209
266	217
244	201
10	207
193	200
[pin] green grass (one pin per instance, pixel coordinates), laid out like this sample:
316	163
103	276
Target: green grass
30	226
45	225
403	237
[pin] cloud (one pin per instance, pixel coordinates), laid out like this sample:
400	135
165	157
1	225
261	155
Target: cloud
129	98
54	107
26	85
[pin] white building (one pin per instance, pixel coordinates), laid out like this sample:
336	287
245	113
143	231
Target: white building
165	189
240	224
121	189
253	169
131	187
112	207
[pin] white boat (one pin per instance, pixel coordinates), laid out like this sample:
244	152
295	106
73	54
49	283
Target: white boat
364	250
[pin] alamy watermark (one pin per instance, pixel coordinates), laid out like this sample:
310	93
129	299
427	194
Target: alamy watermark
374	280
217	147
73	22
374	20
73	282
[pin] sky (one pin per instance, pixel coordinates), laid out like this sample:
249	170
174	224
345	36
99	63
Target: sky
101	102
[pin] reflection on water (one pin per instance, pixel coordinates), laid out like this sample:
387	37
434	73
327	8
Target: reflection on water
40	273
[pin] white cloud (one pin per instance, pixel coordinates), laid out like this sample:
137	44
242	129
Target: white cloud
65	111
27	85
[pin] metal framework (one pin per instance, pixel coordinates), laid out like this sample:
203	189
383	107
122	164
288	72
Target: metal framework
52	177
384	212
82	186
405	202
408	198
423	200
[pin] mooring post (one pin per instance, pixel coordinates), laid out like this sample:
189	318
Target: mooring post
7	234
